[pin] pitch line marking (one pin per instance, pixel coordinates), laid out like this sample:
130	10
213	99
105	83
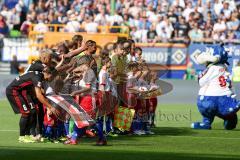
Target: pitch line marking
233	138
8	130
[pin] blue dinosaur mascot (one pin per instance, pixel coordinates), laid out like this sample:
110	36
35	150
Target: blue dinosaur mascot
215	97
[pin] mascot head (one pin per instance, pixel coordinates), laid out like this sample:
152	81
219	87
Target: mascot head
216	54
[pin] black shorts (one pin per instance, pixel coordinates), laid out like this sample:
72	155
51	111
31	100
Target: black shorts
30	96
20	100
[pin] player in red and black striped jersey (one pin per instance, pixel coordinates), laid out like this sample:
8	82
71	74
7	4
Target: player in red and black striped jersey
44	61
21	103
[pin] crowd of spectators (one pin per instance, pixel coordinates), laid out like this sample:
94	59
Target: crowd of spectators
148	20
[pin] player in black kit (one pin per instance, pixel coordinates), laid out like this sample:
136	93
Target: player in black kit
22	102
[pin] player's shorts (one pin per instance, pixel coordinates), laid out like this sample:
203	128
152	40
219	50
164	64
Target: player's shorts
86	102
33	99
29	96
132	100
114	101
151	104
104	107
122	94
140	108
221	106
17	100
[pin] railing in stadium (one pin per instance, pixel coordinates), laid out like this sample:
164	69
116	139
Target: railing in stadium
39	40
101	29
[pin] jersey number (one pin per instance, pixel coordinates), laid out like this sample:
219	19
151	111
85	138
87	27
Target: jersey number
222	81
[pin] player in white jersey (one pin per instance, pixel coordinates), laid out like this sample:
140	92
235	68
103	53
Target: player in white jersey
88	85
104	99
215	95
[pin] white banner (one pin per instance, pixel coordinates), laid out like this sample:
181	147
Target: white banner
16	46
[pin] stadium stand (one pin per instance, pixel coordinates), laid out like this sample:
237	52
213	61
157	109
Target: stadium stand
147	22
150	20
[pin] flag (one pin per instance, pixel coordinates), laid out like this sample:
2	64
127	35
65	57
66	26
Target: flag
67	105
123	118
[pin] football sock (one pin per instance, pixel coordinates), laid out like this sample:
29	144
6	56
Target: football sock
71	126
66	126
23	124
33	123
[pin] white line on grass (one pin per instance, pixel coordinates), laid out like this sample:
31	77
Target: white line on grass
198	137
8	130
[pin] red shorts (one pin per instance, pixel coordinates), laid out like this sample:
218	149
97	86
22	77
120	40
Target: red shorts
141	106
101	104
86	103
122	92
114	102
153	102
132	100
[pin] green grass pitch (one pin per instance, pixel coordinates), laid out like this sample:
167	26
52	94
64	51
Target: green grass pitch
173	140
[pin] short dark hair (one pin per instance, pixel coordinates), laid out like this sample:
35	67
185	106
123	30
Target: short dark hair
76	38
64	47
51	70
91	43
114	46
117	44
131	41
132	65
105	60
104	53
137	49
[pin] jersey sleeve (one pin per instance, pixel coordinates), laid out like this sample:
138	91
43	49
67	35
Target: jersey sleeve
35	66
37	79
114	61
103	79
89	77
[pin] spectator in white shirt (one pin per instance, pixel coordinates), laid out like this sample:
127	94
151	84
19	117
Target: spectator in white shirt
90	26
195	34
150	11
188	10
14	21
102	17
135	22
180	3
73	25
41	27
226	10
220	26
234	22
116	18
164	29
218	7
136	9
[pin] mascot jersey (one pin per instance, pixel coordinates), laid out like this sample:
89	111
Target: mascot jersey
214	81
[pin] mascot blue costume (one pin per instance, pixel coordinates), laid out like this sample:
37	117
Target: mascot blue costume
215	97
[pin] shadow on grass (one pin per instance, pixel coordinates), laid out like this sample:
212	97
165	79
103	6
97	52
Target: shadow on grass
220	126
173	131
159	131
99	154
